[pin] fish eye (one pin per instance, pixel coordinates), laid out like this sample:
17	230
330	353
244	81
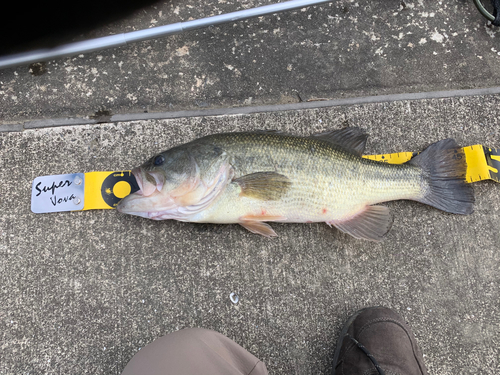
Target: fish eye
159	160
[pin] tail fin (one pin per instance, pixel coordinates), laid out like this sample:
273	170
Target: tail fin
445	168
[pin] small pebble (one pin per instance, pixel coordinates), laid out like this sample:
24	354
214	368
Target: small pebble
234	298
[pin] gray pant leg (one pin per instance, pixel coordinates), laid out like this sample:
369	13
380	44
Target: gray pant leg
194	351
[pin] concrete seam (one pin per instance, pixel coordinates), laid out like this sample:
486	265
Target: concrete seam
47	123
11	128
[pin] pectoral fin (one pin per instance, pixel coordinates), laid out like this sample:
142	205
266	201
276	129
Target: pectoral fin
267	186
259	227
373	223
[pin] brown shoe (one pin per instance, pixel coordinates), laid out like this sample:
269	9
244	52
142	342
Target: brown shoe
376	340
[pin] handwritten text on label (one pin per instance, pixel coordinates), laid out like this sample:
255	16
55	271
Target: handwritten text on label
52	188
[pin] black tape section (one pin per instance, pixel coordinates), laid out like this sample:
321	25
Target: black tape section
494	163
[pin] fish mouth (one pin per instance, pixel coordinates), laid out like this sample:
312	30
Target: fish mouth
148	182
143	201
138	178
150	206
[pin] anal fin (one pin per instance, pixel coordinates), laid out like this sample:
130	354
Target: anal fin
259	227
372	223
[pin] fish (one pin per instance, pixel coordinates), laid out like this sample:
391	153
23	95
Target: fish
252	178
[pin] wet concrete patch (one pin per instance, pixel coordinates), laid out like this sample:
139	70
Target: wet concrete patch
102	116
37	69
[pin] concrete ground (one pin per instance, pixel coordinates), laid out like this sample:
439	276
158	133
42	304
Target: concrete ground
82	292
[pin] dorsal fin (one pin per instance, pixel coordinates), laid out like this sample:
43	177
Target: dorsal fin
350	139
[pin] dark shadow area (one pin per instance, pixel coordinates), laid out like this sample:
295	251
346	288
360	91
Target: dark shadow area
44	24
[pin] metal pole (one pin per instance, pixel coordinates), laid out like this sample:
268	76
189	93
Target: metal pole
155	32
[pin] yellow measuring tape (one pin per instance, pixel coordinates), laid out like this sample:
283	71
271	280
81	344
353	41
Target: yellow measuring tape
483	163
103	190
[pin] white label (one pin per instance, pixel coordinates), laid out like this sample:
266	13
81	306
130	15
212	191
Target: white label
64	192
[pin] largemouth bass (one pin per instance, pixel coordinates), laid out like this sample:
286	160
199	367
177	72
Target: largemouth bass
255	177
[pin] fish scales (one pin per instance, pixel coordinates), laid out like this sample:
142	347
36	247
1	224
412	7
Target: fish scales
328	183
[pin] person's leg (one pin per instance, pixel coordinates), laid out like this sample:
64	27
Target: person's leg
194	351
376	340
